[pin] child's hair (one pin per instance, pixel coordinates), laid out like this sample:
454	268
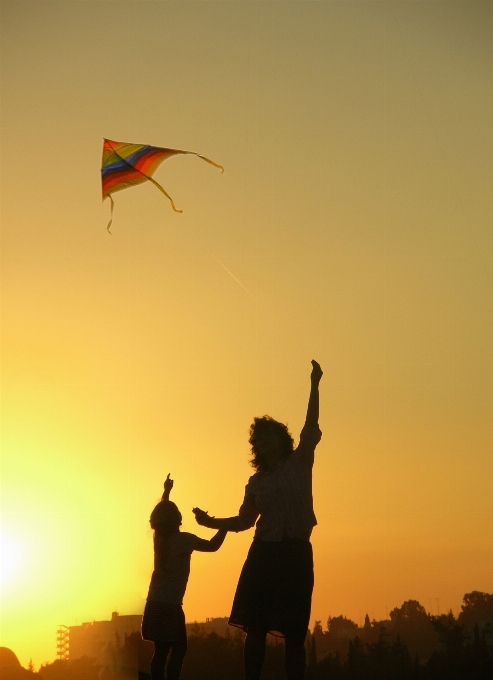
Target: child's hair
165	517
268	423
165	520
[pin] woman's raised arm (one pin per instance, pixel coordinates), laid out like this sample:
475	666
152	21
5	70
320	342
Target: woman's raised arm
313	401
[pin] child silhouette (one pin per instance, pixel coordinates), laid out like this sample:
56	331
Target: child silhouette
164	620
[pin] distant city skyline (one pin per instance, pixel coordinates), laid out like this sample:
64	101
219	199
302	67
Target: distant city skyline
108	643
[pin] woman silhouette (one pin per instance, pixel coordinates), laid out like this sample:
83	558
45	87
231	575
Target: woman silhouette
275	585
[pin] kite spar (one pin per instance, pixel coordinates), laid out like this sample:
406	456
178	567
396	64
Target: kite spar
125	165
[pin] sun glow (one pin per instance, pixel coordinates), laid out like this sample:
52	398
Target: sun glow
10	558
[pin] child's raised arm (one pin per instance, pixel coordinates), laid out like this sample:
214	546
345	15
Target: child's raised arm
168	485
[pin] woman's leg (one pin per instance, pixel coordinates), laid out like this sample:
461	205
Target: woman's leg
254	653
161	651
295	658
178	651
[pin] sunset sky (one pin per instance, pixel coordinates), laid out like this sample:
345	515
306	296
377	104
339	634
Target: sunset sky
355	214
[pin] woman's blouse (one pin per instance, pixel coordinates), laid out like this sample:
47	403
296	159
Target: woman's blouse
282	499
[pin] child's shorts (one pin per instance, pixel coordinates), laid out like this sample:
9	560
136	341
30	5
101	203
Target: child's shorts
163	622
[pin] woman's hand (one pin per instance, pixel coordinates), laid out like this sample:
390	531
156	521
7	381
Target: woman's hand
312	410
317	372
203	518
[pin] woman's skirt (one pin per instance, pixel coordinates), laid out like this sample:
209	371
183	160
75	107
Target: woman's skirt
274	591
163	622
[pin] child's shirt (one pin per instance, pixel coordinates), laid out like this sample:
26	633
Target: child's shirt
172	566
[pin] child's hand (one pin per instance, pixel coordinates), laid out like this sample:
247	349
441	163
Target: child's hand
316	372
202	517
168	485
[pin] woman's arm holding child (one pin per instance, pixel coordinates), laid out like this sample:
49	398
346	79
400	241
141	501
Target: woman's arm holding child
245	519
213	544
222	523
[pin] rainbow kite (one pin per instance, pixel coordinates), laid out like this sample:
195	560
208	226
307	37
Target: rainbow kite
125	165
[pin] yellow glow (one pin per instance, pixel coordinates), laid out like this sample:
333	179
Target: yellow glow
11	558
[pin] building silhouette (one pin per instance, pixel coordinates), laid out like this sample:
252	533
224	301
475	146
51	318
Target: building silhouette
93	639
96	639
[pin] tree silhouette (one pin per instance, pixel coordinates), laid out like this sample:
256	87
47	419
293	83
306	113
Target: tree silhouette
340	624
477	607
84	668
322	640
311	656
459	657
414	626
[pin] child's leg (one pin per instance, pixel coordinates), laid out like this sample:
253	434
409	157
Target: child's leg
178	651
295	658
254	653
161	651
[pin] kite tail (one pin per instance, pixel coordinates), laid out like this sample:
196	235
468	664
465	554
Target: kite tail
164	192
208	160
111	214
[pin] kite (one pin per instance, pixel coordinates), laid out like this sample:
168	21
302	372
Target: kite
125	165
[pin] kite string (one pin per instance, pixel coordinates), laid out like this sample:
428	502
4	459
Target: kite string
302	345
231	274
199	240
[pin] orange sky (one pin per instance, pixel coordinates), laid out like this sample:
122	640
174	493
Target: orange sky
356	211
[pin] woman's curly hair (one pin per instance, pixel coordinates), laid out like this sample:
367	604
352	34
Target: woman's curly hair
267	423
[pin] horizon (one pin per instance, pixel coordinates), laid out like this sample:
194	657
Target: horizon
219	625
224	619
